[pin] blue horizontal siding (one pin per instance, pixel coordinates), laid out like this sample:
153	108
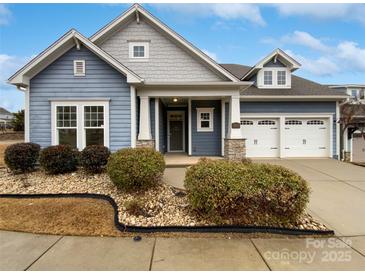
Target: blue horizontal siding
101	81
206	143
295	107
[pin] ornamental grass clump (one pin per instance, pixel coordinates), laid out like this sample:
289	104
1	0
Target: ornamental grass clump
136	168
22	157
94	158
246	193
59	159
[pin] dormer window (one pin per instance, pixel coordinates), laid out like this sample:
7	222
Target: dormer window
138	51
268	78
281	77
274	77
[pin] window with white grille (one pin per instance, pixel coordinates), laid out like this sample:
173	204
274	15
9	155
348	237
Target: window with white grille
266	122
79	67
293	122
315	122
281	77
268	77
205	119
246	123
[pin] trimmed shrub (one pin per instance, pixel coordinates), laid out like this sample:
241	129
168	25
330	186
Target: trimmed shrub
246	193
59	159
136	168
22	157
94	158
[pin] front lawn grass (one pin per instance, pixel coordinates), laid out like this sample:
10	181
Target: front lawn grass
66	216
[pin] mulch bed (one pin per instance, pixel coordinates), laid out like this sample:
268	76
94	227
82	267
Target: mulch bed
164	205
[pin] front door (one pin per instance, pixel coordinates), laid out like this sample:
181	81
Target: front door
176	142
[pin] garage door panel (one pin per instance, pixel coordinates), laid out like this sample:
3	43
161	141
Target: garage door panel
262	137
306	138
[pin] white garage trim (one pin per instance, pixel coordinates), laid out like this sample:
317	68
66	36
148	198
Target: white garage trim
283	116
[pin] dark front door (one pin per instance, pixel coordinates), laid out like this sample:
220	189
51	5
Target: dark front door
176	135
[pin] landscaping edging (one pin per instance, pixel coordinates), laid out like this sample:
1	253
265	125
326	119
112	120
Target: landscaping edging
193	229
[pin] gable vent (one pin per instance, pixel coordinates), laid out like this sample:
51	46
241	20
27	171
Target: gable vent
79	67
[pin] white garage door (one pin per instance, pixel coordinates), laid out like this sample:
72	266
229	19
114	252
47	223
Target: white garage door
306	138
262	137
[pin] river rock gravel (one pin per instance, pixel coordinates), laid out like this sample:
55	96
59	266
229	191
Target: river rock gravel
164	205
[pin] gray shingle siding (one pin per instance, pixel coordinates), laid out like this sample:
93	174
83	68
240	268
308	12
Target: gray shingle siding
101	81
294	107
206	143
167	61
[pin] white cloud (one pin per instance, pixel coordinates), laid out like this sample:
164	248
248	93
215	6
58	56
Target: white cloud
10	97
346	56
5	15
321	66
347	12
246	12
351	55
305	39
211	54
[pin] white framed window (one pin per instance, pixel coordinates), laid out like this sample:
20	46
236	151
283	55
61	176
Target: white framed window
267	77
139	51
80	123
205	119
281	75
246	123
293	122
66	125
79	68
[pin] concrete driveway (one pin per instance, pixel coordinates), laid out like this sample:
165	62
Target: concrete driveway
338	192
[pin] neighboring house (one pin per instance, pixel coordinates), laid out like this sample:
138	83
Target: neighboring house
5	117
136	82
353	114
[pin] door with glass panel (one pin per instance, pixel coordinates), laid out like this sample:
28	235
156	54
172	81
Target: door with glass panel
176	131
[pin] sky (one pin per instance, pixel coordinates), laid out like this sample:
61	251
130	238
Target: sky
327	39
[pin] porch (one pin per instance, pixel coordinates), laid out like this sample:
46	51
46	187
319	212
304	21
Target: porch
194	121
184	160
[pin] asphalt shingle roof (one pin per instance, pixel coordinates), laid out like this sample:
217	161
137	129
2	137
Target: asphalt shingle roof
299	85
4	111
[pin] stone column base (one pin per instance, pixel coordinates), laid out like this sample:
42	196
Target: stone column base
145	143
347	156
235	149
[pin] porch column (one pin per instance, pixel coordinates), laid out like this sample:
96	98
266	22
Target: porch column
234	144
234	131
144	119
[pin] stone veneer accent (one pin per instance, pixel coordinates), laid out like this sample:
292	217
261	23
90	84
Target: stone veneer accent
234	149
145	143
347	156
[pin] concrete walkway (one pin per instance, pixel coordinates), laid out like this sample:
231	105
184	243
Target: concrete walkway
24	251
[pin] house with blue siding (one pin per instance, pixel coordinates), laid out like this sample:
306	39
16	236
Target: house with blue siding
137	83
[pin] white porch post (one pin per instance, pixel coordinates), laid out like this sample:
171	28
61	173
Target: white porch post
133	117
235	117
26	116
144	119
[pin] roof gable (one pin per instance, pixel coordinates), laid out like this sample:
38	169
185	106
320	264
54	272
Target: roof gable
135	12
277	56
66	42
